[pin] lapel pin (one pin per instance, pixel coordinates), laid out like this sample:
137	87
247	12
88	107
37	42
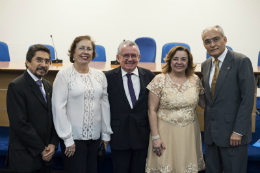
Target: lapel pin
48	93
228	68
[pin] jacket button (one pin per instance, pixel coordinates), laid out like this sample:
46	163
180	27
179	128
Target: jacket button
212	119
212	106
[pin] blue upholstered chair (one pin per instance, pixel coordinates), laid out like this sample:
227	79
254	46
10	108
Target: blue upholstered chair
147	47
226	47
4	52
100	53
51	49
167	47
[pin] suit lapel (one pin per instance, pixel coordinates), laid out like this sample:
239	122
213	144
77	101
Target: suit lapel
35	89
119	84
225	68
208	65
143	84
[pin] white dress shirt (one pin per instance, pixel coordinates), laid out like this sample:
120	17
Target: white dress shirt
36	79
212	70
221	59
136	85
80	105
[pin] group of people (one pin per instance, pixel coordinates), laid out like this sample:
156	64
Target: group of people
150	121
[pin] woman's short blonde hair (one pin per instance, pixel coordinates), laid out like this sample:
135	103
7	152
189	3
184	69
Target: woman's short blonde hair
191	66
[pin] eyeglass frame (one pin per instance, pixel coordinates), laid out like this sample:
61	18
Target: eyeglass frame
130	55
212	40
83	49
41	60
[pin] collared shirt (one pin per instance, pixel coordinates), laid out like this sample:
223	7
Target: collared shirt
221	59
36	79
136	85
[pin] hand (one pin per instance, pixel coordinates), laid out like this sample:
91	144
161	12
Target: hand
70	150
50	149
235	139
105	144
158	145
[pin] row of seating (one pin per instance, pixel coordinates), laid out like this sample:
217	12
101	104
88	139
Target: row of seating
146	45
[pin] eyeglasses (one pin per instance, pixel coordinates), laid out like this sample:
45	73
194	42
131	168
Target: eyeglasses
214	40
87	49
40	60
127	56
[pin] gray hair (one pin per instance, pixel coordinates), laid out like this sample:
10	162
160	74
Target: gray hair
129	43
220	30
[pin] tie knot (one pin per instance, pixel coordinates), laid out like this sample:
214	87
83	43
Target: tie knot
39	82
129	75
216	61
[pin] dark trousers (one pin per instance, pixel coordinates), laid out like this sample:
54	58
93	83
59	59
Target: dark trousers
84	159
44	169
227	159
129	161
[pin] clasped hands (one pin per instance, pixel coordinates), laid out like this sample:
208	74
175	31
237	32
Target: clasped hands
48	152
158	145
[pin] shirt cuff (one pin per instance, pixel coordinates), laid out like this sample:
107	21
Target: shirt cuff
105	137
68	142
238	133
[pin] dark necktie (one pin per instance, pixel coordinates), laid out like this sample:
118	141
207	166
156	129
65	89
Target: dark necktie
214	80
39	83
131	88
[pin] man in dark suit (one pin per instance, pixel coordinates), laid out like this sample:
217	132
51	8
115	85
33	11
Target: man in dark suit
229	85
128	98
32	139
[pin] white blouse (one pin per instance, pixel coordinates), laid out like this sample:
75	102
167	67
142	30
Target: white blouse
80	106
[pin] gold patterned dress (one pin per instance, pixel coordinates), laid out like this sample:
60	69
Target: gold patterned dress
178	126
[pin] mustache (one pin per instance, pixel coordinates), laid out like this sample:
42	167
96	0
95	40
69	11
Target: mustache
41	68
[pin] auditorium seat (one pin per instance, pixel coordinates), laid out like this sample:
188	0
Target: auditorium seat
168	46
100	53
147	47
4	52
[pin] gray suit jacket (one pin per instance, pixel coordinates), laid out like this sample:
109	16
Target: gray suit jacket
233	100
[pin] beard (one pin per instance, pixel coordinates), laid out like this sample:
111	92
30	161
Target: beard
39	75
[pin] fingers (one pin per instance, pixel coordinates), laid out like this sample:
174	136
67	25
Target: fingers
70	150
105	144
163	146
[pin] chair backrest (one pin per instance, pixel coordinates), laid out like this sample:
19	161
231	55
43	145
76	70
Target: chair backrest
100	53
51	49
208	56
168	46
4	52
147	47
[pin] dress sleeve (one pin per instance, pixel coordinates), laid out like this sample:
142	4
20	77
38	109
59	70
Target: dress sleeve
200	87
156	85
105	108
59	104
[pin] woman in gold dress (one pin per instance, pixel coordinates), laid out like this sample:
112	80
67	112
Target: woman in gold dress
175	142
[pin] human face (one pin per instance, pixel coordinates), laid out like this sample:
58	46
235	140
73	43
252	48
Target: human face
39	64
83	52
217	47
128	58
179	62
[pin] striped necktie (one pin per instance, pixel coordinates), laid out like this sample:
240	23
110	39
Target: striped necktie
214	80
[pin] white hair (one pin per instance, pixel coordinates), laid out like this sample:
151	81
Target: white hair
129	43
220	30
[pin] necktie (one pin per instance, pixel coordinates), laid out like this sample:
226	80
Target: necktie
214	80
39	83
131	89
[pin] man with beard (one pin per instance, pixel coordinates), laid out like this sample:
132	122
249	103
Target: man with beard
32	139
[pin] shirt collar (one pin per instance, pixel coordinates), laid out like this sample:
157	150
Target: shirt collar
32	75
221	57
134	72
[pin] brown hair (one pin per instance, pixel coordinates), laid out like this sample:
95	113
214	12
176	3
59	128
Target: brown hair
74	44
191	66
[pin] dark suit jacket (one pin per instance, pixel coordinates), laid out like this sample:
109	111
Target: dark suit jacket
130	126
233	102
31	124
